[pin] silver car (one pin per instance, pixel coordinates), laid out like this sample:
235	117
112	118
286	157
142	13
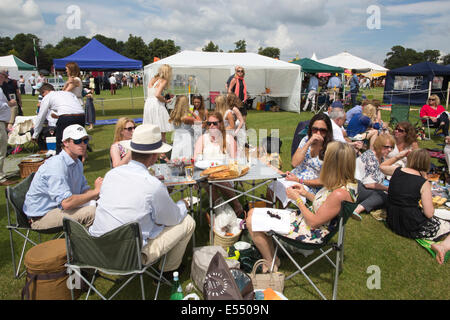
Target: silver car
57	83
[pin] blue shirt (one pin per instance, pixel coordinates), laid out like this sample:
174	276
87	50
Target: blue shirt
334	82
354	82
357	125
57	179
352	112
313	83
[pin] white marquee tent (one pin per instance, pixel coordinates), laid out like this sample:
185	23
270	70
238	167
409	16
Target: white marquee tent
211	71
349	61
16	68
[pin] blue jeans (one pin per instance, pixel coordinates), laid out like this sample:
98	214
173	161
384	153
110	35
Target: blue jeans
353	94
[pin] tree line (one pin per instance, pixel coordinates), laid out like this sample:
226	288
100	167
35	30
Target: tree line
21	45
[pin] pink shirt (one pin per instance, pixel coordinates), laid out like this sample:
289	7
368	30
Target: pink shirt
428	111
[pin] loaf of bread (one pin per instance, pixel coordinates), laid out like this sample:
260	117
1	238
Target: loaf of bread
232	172
213	170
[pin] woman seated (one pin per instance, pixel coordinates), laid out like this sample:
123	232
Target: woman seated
216	144
405	139
371	190
435	114
405	215
123	131
365	123
307	159
339	184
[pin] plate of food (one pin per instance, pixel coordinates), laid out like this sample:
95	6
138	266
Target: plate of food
204	164
225	172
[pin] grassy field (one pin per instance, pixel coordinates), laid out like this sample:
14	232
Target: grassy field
407	270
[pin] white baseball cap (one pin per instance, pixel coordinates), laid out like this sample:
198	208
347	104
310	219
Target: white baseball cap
74	132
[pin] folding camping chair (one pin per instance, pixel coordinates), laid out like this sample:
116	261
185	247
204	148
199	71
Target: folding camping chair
399	113
117	252
15	196
300	132
338	222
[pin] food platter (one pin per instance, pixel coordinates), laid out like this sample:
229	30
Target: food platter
204	164
225	172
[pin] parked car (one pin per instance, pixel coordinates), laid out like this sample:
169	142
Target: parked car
57	83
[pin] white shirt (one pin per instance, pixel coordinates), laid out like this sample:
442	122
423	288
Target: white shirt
5	111
129	193
338	135
58	102
112	80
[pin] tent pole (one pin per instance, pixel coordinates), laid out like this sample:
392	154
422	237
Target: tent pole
131	94
343	85
429	89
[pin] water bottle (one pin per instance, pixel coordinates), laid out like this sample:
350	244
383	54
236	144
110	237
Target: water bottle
177	290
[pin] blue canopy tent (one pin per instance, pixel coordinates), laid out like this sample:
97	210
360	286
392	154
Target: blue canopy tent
95	56
410	85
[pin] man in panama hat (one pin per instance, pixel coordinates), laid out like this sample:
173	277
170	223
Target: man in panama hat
130	193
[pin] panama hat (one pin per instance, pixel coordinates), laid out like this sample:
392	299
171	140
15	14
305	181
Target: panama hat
147	139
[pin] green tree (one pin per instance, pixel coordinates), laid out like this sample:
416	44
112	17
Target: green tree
400	57
135	48
270	52
162	48
446	59
431	55
211	47
241	46
6	44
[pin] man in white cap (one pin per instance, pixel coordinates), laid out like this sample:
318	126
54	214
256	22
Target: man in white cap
59	187
130	193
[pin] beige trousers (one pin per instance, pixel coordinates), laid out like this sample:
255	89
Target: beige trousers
54	218
171	241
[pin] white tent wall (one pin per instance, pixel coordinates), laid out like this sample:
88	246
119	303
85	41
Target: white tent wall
212	70
15	74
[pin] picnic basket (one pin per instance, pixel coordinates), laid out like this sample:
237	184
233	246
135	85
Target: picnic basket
27	167
226	241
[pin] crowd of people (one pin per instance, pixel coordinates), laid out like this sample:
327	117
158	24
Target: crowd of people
363	162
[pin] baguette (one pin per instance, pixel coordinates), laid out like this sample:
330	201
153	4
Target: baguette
213	170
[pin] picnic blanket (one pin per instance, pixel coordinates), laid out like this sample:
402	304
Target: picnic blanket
425	243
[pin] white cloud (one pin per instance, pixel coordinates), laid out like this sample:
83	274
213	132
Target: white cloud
20	16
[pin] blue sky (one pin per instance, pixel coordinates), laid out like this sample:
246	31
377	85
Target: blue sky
303	27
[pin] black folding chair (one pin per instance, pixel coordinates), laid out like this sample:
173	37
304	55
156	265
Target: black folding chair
19	224
337	227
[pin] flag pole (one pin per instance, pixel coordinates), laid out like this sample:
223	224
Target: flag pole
35	53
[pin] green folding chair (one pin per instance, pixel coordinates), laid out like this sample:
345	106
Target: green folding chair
325	248
18	223
117	252
399	113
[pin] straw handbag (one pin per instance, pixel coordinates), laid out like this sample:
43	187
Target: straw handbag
273	280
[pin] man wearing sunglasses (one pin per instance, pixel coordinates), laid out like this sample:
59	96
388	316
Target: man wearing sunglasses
59	187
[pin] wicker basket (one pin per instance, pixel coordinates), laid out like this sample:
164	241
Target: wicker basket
26	168
226	241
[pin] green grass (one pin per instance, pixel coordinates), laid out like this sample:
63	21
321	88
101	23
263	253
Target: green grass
407	270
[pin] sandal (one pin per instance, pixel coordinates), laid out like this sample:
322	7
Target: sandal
356	216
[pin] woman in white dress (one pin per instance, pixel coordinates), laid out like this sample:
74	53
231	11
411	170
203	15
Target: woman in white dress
155	111
74	83
182	120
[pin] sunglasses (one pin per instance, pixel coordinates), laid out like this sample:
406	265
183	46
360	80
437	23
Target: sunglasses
240	71
431	99
322	130
273	215
388	147
78	141
400	130
130	128
209	123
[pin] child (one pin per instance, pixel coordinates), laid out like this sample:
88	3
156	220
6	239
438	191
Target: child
182	120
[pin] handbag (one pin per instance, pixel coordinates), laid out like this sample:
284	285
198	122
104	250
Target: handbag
273	280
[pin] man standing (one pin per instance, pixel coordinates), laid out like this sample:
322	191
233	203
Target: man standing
5	115
32	82
59	187
129	193
12	91
333	86
64	106
313	86
354	87
112	84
